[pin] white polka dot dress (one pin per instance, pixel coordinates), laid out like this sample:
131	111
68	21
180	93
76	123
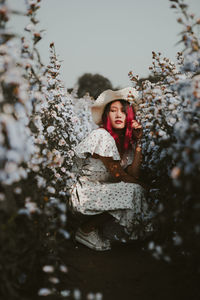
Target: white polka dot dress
95	193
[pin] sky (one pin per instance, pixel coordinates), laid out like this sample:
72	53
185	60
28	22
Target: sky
108	37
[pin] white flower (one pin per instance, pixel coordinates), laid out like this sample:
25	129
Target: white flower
44	292
2	197
54	280
50	129
63	269
51	189
48	269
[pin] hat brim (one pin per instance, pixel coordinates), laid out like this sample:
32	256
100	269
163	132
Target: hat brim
128	94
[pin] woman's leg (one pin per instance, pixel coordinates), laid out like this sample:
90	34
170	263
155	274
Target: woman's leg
96	222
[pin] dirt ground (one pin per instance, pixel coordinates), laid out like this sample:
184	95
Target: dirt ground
128	272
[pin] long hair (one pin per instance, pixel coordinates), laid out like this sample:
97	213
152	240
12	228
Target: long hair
130	116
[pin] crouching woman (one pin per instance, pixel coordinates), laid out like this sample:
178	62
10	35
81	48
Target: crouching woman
108	164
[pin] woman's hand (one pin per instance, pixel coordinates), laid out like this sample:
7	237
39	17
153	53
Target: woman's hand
137	130
136	124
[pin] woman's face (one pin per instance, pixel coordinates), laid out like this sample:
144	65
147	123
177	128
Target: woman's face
117	115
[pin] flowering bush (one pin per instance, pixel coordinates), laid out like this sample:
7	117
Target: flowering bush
37	131
170	111
40	122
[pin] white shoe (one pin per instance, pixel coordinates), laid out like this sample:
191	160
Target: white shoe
92	240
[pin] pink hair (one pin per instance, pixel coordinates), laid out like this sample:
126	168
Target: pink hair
130	116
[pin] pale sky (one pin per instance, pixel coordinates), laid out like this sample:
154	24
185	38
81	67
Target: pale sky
109	37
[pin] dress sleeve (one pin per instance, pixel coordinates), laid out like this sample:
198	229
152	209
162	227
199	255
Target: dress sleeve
99	141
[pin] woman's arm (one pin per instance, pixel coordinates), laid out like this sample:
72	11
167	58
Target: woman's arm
116	171
134	168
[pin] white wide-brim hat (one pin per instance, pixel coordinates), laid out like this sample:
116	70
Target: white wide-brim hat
129	94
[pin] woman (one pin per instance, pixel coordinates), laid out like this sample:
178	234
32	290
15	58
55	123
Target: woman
108	163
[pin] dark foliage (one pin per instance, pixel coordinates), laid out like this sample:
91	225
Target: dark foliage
93	84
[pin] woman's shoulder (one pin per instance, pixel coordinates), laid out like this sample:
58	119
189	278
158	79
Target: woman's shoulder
104	141
99	141
101	133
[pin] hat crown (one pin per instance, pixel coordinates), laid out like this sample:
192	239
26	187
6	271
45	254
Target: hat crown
127	94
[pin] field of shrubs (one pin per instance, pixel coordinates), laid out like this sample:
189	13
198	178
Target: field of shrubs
41	122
